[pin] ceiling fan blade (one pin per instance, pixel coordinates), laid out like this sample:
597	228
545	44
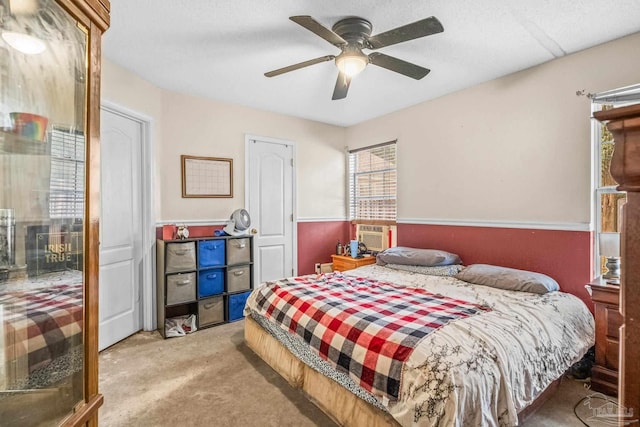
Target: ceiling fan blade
299	65
424	27
342	87
317	28
398	65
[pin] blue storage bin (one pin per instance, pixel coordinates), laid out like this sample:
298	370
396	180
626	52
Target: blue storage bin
236	305
210	253
210	282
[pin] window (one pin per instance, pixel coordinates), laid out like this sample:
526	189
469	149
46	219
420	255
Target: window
608	200
373	183
66	188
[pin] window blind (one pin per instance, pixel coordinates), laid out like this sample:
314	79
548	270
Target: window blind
66	187
373	182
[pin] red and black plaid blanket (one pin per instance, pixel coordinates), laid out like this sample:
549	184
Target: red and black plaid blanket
364	327
42	324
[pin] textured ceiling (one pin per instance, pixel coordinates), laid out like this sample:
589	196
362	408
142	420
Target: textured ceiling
221	49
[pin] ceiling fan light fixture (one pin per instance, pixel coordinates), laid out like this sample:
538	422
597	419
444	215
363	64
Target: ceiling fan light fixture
24	43
351	63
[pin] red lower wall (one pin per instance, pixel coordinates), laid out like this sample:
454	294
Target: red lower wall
317	241
168	231
564	255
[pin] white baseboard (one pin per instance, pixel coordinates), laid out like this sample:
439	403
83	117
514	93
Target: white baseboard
560	226
192	222
322	219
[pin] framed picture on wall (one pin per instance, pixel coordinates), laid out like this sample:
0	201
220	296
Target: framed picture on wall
206	176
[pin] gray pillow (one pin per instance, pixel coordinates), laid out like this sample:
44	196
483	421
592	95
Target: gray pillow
413	256
508	278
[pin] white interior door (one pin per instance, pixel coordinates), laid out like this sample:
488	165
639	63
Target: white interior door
120	227
270	204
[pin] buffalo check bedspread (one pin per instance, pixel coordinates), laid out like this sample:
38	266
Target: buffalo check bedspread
42	324
364	327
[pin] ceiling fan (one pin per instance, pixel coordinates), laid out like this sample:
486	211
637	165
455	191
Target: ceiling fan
352	35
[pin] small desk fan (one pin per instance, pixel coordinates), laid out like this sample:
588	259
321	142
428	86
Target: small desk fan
239	223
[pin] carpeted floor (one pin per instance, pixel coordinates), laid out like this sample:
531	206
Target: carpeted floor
211	378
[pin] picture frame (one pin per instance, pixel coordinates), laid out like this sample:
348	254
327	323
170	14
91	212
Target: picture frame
206	177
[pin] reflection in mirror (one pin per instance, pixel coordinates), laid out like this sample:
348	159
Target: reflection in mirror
43	65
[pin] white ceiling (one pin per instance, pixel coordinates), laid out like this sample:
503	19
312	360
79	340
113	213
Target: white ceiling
220	49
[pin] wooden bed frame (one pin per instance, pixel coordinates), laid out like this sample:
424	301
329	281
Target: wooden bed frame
344	407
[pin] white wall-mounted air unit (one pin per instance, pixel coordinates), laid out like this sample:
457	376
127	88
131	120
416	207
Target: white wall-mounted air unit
376	237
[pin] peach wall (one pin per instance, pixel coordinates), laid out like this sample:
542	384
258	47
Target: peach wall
122	87
515	149
182	124
202	127
126	90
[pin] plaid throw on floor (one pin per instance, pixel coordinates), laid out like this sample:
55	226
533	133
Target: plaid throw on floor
364	327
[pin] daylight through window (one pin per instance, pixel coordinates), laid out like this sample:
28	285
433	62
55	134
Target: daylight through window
608	200
373	183
66	199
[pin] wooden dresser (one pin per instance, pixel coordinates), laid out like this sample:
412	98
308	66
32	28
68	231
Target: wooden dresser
342	263
606	297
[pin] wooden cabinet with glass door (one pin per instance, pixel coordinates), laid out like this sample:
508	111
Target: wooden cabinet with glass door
49	210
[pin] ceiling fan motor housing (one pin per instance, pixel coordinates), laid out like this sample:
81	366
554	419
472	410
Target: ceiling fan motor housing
353	30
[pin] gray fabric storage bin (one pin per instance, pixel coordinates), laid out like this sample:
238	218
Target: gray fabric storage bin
238	251
181	257
238	278
211	311
181	288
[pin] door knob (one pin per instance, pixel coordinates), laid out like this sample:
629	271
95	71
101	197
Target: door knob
254	231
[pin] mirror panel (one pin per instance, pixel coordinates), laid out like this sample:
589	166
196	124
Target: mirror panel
43	95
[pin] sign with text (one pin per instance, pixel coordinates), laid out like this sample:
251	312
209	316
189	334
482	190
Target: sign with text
48	252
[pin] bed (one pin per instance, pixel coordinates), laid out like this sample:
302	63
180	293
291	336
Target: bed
41	328
486	360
